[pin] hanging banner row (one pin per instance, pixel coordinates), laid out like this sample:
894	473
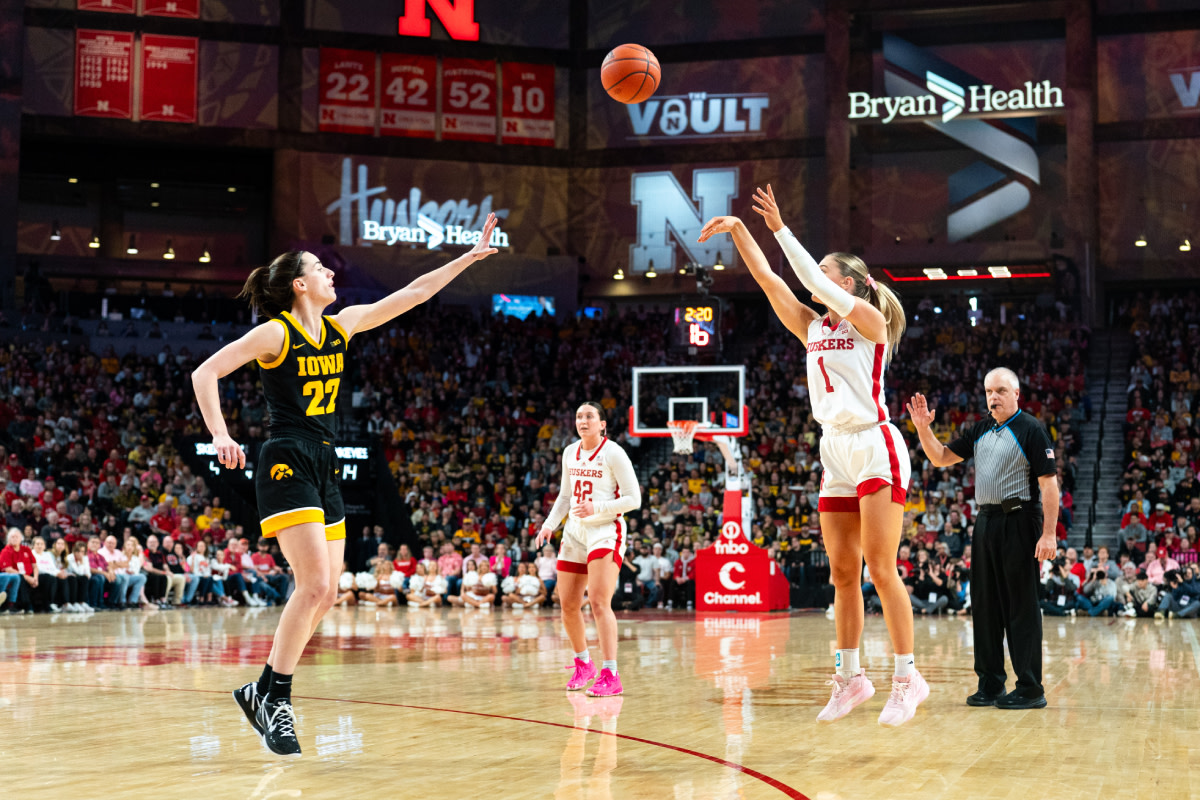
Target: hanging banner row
166	76
394	94
180	9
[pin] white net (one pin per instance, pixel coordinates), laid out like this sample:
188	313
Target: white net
682	432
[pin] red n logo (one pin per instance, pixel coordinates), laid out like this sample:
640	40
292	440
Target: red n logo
457	15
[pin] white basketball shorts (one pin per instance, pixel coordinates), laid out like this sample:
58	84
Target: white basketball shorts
858	464
582	544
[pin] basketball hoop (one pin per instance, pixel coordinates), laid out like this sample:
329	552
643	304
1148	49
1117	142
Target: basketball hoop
682	431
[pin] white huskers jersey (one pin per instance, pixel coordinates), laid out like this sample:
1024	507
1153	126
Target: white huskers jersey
845	375
607	478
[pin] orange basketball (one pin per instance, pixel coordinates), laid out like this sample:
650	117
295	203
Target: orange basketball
630	73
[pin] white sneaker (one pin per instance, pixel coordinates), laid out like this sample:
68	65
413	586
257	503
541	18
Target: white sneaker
56	609
76	607
518	605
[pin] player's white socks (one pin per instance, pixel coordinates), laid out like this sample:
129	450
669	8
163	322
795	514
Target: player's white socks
905	665
846	663
611	666
584	656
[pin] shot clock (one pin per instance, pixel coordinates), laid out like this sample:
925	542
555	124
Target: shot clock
697	325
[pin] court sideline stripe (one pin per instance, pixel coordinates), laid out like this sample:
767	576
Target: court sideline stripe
753	773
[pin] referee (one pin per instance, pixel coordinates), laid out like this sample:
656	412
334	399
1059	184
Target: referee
1016	487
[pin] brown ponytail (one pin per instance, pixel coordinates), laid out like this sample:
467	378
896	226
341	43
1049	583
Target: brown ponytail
269	289
878	295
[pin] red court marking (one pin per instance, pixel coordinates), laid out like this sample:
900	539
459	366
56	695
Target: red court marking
753	773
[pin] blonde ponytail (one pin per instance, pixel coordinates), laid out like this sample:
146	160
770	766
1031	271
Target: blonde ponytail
878	295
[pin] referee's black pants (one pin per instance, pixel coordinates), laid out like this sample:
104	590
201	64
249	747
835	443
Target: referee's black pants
1004	598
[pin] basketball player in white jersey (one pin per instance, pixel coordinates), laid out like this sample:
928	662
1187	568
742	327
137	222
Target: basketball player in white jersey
865	460
598	486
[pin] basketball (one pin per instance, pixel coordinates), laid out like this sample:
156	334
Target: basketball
630	73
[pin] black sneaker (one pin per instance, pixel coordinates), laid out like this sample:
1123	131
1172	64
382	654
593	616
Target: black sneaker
248	701
1016	701
982	698
279	727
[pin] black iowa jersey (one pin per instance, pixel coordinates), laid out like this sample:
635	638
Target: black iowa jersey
303	385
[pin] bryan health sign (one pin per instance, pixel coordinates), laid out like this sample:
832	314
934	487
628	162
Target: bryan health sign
924	88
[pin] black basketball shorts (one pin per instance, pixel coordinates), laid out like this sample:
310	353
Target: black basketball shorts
298	481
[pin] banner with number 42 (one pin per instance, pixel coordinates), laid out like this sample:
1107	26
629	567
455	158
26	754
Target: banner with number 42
409	96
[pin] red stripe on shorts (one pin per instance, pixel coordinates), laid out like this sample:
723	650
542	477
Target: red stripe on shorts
571	566
844	504
898	489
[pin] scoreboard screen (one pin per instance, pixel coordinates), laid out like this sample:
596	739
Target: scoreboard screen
697	325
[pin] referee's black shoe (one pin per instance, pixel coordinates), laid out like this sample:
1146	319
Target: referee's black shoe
982	698
1018	701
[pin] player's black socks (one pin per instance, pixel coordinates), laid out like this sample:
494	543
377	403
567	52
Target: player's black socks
264	682
281	688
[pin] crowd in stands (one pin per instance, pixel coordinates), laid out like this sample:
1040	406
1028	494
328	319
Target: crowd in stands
1159	496
472	414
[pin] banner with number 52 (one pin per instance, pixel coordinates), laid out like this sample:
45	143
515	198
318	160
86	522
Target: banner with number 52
409	96
528	116
468	100
347	91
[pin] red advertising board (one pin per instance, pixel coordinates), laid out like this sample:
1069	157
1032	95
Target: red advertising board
528	116
114	6
104	74
734	574
180	9
348	90
169	78
407	102
468	100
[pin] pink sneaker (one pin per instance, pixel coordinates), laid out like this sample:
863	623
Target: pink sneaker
607	685
584	672
847	694
906	696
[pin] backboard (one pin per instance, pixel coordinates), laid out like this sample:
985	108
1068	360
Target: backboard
715	395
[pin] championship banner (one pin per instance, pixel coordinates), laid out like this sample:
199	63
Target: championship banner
347	91
179	9
409	95
113	6
169	78
734	574
528	116
103	74
468	100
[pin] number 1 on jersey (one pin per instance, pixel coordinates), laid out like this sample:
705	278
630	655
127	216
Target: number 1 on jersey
824	374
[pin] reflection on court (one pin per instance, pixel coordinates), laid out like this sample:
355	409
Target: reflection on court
451	703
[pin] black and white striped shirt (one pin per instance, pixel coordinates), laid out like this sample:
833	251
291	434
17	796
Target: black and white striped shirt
1009	458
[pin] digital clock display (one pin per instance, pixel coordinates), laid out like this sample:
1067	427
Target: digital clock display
697	326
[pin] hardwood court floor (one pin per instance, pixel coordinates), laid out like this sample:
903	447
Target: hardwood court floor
468	704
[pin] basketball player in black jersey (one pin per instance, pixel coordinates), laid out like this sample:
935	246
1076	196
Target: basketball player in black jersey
301	354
